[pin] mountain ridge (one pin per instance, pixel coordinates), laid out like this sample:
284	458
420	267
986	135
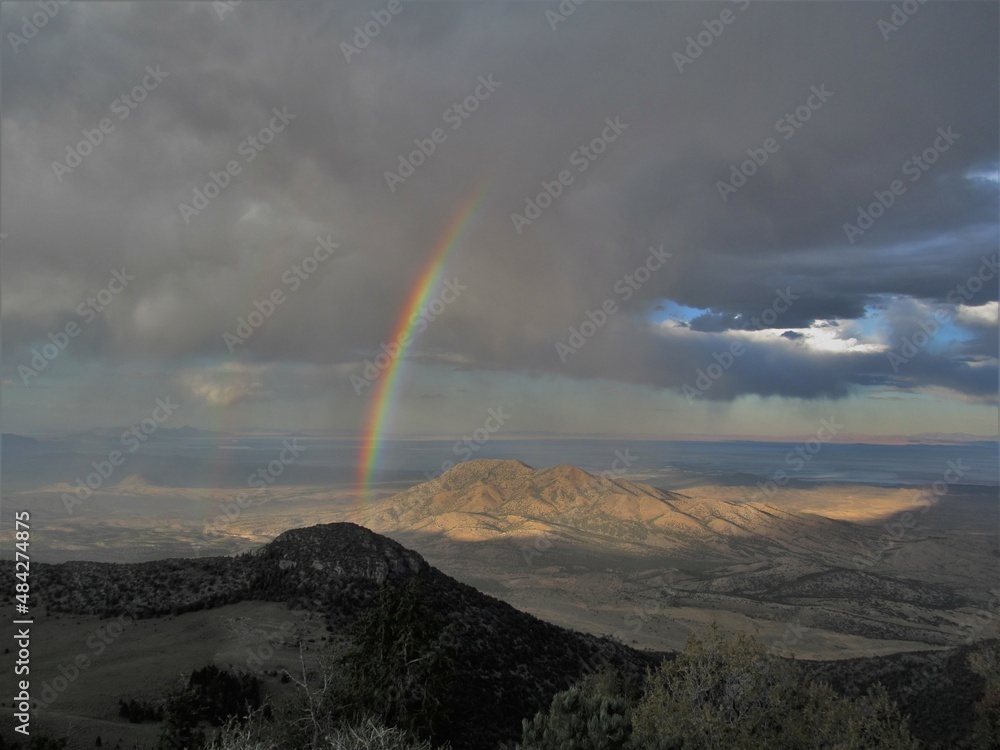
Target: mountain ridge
489	499
589	551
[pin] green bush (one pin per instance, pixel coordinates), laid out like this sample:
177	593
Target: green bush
592	715
728	693
985	662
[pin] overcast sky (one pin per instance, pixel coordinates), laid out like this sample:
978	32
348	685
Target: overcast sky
747	159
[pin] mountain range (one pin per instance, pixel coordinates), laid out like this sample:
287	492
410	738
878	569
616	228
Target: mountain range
505	664
597	552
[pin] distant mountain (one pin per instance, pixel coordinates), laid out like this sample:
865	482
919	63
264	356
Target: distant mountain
484	500
12	441
162	433
590	551
18	450
923	438
951	438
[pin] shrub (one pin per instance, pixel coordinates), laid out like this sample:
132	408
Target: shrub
260	734
728	693
592	715
396	667
985	662
138	711
212	696
373	735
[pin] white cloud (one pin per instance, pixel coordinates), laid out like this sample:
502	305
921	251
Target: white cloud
225	385
818	338
987	314
825	339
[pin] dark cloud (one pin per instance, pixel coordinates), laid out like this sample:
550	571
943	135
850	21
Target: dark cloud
780	232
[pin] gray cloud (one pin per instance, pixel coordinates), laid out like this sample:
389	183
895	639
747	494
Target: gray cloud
657	183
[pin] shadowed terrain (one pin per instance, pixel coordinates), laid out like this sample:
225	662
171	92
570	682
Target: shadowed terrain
144	625
609	555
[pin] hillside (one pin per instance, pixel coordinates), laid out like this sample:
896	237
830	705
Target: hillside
484	499
596	553
506	663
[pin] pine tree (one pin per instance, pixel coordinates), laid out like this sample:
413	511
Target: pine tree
397	667
592	715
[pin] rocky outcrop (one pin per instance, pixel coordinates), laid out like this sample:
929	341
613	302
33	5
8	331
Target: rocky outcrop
343	551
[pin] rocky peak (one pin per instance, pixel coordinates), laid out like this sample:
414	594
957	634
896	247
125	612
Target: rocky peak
344	550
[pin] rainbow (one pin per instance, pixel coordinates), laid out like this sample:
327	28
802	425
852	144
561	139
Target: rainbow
385	387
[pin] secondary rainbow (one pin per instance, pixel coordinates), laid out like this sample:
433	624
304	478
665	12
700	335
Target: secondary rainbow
385	387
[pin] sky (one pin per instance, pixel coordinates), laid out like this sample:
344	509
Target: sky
675	219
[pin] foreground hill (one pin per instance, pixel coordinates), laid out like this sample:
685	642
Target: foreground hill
506	663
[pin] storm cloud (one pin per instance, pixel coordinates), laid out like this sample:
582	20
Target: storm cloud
824	185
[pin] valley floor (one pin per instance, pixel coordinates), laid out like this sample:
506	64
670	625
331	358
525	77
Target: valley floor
649	601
